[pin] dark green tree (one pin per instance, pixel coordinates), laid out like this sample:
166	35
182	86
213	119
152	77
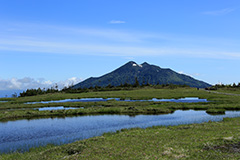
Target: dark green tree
136	84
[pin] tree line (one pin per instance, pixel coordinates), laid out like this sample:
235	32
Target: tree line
109	87
39	91
224	86
125	86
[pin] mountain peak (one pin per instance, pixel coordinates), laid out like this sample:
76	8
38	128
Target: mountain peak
145	64
145	73
133	64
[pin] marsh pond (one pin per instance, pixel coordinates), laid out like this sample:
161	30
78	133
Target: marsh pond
21	135
180	100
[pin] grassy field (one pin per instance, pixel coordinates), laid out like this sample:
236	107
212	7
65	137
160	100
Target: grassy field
229	90
138	93
17	109
212	140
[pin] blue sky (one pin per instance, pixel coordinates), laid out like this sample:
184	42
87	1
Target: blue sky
45	42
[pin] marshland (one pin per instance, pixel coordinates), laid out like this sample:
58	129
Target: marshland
156	129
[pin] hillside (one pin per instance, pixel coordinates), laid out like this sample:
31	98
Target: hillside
145	73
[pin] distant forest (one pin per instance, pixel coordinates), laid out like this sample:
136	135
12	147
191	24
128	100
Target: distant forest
126	86
224	86
39	91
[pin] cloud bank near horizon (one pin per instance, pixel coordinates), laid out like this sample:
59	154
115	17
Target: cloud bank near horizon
31	83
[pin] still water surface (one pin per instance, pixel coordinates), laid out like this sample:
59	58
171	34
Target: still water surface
55	108
24	134
181	100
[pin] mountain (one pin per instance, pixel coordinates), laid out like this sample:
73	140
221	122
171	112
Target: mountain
145	73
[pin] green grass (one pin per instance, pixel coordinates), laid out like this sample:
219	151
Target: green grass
143	93
229	90
216	111
212	140
100	108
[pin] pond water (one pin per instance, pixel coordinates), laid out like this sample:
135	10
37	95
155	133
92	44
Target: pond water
45	108
55	108
24	134
3	101
181	100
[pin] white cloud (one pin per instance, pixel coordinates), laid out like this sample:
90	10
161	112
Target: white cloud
219	12
116	22
31	83
112	50
39	38
190	74
69	82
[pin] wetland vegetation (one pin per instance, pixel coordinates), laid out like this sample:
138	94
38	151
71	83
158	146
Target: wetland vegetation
188	141
16	108
212	140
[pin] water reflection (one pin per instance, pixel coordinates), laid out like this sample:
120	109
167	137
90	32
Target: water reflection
181	100
56	108
24	134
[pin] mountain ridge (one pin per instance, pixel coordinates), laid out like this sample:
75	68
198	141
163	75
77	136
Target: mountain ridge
145	73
